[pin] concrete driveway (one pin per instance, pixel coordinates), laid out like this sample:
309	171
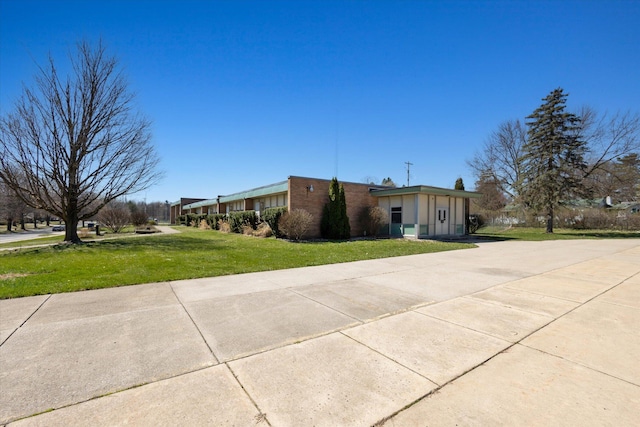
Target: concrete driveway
510	333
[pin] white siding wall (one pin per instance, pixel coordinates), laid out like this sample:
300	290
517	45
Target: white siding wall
409	209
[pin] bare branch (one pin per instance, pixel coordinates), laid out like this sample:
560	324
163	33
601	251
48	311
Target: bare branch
77	142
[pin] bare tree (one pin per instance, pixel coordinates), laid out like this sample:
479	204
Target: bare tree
610	138
498	159
115	216
11	207
77	140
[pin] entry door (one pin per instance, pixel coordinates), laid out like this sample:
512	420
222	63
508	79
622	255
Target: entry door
396	221
442	221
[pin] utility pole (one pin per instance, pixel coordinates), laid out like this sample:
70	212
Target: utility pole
409	164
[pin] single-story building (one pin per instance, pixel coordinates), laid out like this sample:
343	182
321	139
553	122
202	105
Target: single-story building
417	211
177	208
422	211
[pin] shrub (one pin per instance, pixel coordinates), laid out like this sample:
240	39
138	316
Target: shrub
373	218
263	230
223	226
239	219
138	218
476	221
294	224
272	216
204	225
214	219
115	216
597	218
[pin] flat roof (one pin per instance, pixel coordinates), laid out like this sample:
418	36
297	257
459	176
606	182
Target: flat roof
426	189
278	187
207	202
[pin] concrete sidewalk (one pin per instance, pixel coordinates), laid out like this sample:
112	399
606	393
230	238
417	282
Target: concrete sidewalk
511	333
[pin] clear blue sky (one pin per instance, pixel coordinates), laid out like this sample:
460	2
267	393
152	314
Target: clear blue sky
244	94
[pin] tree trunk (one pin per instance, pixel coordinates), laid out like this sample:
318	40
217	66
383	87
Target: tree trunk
71	226
71	232
10	225
23	226
550	220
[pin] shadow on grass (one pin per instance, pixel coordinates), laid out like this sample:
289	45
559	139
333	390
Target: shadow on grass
489	238
184	244
539	234
602	234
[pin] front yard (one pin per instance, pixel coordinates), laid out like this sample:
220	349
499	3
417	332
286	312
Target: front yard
193	253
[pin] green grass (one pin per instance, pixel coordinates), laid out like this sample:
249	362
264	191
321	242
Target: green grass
538	234
192	253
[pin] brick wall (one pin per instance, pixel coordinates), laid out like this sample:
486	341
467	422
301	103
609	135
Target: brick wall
356	195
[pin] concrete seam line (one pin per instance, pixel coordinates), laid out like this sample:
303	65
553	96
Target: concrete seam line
383	421
262	414
194	324
392	360
591	368
497	303
324	305
364	321
111	393
440	386
26	320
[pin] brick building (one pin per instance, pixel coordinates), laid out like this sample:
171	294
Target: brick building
416	211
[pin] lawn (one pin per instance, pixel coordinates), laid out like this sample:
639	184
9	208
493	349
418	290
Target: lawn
538	234
190	254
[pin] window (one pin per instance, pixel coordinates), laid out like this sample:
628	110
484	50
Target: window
396	215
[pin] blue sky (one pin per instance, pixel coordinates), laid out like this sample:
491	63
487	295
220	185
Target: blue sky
246	93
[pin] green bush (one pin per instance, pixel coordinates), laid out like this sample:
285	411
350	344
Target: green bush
239	219
191	220
214	219
272	216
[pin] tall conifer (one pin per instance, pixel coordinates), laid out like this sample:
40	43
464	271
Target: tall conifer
553	160
335	222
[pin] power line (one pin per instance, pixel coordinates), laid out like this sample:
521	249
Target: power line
409	164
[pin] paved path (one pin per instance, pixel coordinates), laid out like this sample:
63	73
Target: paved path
27	235
511	333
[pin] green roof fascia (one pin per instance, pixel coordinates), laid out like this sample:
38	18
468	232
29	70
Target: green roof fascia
200	204
279	187
425	189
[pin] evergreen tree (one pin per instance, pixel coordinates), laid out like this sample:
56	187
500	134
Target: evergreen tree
345	227
388	182
553	160
335	222
459	184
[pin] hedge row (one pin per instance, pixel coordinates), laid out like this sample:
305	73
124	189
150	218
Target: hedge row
272	216
236	219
